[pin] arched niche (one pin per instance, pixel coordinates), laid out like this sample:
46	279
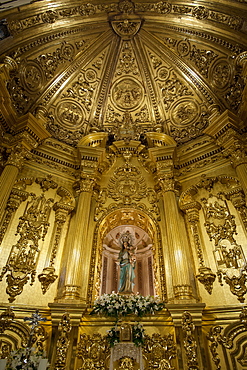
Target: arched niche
144	275
150	277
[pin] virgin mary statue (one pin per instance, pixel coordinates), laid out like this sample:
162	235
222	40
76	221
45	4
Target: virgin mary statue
127	263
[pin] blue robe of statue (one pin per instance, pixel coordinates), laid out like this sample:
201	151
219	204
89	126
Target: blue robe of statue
127	275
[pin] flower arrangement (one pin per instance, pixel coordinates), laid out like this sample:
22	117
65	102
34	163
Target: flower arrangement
113	336
28	357
138	335
117	305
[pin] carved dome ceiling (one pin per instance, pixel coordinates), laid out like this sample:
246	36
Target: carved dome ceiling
125	67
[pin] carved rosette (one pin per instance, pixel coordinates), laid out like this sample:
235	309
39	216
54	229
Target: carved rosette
127	94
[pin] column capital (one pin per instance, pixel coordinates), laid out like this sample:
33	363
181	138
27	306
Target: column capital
192	211
17	156
85	184
226	130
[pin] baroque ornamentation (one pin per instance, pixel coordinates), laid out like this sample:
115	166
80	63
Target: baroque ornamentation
126	28
16	197
159	350
190	344
127	184
93	351
62	209
161	7
212	337
127	62
220	74
183	134
206	277
17	156
63	342
6	319
23	257
202	59
64	134
220	226
70	114
127	93
82	89
184	112
173	89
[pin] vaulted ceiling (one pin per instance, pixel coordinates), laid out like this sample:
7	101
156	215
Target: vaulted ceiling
125	67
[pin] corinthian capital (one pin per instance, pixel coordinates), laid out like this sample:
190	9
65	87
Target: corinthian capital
17	156
237	153
168	183
85	184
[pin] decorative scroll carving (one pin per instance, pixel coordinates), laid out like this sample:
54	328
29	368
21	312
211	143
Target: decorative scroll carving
221	227
238	200
127	184
212	337
22	260
93	351
159	351
127	63
46	183
82	90
173	89
16	198
6	319
190	131
190	344
220	224
62	209
202	59
63	342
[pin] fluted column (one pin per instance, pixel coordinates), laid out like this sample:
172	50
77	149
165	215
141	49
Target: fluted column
78	250
177	243
79	253
9	175
226	130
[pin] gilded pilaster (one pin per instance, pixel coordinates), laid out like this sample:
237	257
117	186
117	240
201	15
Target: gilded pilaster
48	276
205	275
176	242
226	130
79	252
